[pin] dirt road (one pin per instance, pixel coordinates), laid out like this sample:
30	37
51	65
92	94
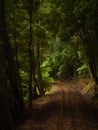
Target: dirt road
64	109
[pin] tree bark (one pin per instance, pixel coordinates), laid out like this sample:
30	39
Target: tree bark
16	55
30	63
40	84
5	108
11	69
90	54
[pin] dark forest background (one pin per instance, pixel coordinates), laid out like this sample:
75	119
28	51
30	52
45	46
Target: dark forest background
42	41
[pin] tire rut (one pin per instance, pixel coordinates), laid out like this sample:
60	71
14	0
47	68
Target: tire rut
81	115
66	109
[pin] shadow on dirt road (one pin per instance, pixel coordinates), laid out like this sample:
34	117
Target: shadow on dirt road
65	109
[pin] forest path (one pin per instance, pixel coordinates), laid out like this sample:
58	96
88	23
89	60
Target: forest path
65	109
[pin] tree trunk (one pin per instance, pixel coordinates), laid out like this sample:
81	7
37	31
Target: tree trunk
30	63
11	70
6	118
40	84
16	55
38	61
90	54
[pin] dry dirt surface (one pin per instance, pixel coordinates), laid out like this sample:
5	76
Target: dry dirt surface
64	109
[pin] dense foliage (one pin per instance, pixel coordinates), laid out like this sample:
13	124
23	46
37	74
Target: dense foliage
41	41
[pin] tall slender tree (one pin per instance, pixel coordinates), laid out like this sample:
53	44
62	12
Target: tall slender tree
11	68
30	56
